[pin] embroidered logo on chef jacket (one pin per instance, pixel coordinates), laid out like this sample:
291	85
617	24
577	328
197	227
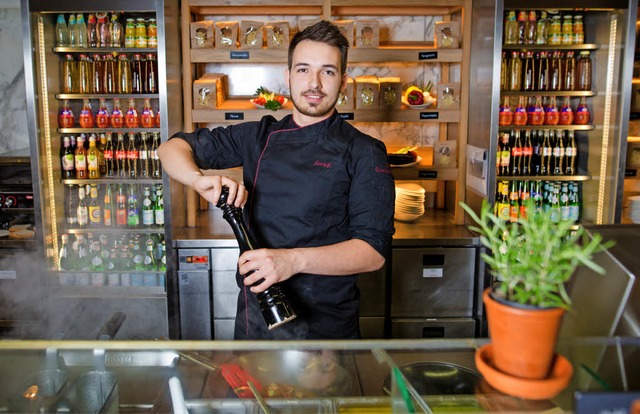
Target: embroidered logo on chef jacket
322	164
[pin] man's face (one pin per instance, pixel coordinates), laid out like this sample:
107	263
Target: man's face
314	81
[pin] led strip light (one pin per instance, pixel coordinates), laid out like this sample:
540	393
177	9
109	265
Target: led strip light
607	120
44	98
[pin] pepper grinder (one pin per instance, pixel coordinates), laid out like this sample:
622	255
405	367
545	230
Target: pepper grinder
275	307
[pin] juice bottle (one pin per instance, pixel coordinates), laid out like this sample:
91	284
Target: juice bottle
506	115
542	78
137	83
130	33
66	119
542	31
115	31
529	72
86	119
132	118
531	29
578	30
117	117
147	119
93	161
84	75
583	77
102	116
92	34
97	74
124	74
551	113
511	29
81	159
110	80
522	26
555	76
569	72
566	112
504	72
104	35
515	72
152	33
151	73
555	31
520	115
536	112
582	114
69	75
141	33
567	29
62	32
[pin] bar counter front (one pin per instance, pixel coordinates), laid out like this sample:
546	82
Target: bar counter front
436	375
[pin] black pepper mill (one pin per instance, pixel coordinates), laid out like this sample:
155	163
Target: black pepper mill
274	306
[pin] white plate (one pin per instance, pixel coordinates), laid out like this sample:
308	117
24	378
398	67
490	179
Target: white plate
262	106
423	106
411	164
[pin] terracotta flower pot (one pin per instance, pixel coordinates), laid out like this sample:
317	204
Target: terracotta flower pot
524	340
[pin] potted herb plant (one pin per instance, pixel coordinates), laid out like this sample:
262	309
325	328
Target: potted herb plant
531	261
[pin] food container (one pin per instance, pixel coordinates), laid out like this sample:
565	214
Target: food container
209	91
251	34
277	34
347	28
444	154
201	34
347	98
449	95
367	92
390	93
447	35
226	35
367	34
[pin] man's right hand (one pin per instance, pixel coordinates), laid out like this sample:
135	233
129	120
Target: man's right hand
210	188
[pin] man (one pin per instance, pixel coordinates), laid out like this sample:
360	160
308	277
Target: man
318	193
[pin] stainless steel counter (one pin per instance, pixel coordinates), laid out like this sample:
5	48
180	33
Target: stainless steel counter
435	228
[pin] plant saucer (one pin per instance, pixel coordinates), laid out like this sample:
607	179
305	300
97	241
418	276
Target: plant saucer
543	389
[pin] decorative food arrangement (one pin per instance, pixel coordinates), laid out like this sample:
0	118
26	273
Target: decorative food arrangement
404	157
268	100
418	98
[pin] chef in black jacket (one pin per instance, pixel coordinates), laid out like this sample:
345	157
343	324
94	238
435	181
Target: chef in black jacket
317	192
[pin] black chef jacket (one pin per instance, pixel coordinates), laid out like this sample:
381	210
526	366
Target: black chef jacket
308	186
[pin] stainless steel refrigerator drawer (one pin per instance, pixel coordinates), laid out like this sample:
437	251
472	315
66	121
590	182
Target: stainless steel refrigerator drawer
433	328
432	282
224	258
225	294
195	305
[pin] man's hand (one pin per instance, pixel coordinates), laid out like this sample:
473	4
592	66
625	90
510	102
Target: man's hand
272	265
210	188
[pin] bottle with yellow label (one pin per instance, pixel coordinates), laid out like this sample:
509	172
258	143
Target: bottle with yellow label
93	158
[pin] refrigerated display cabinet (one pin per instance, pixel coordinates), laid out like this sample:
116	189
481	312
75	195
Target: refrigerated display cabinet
81	295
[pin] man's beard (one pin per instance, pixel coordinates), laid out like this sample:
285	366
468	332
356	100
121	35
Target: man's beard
319	111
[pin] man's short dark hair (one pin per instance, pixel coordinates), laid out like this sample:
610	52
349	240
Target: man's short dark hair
325	32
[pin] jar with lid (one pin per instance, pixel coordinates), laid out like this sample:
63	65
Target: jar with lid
567	29
584	68
152	33
555	31
141	33
578	30
130	33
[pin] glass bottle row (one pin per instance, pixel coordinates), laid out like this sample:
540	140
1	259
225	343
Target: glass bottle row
110	115
100	30
543	111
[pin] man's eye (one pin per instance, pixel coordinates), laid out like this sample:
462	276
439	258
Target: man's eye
329	72
302	70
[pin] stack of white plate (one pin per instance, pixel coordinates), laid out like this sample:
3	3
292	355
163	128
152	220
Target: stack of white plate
409	201
633	208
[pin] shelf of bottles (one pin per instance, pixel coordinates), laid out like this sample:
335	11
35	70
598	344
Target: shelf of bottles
545	87
112	234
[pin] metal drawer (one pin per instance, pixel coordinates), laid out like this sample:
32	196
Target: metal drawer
433	282
433	328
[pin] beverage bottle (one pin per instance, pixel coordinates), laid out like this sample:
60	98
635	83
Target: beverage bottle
151	72
96	262
83	210
147	119
529	72
551	113
108	212
137	82
137	254
132	156
162	264
566	112
102	161
83	262
515	72
157	118
511	29
542	31
520	116
132	118
575	202
525	194
531	29
578	30
68	160
149	260
71	205
506	115
66	255
95	210
536	152
156	172
499	161
130	33
110	79
274	305
536	112
109	157
117	117
84	75
115	29
514	201
569	72
582	115
522	27
93	158
543	72
504	72
121	157
147	209
145	156
567	29
158	207
92	33
62	32
570	153
97	74
152	33
555	75
121	208
516	154
558	154
536	194
104	35
565	208
503	201
69	75
81	160
81	28
527	153
583	81
102	116
86	119
547	150
133	210
555	31
73	31
141	33
124	74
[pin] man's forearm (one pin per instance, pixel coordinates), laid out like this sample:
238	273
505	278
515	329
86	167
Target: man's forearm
345	258
177	160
